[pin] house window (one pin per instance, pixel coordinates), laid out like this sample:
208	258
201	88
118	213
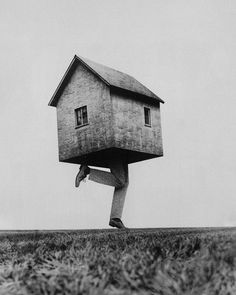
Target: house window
81	116
147	117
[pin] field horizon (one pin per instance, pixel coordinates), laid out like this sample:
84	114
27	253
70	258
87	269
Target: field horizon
132	229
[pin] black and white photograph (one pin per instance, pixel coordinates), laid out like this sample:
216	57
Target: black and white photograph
118	140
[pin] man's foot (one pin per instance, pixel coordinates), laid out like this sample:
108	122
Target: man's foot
83	172
116	222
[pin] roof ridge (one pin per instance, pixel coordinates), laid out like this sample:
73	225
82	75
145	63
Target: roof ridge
99	64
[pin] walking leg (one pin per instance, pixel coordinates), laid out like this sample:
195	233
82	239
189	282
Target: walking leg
118	178
104	177
120	170
118	202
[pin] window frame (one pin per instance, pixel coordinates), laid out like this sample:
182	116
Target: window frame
79	113
149	124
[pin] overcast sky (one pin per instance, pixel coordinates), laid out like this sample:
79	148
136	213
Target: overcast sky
184	51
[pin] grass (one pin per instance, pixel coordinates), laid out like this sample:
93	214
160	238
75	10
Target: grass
151	261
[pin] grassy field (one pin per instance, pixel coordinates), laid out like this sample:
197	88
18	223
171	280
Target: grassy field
138	261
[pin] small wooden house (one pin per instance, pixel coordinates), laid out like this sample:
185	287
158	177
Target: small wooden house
101	111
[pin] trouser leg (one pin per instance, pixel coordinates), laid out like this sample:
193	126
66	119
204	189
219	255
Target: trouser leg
104	177
120	170
118	202
118	178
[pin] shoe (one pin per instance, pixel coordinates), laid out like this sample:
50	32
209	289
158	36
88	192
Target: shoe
83	172
116	222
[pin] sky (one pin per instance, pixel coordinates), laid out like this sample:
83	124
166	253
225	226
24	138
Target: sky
184	51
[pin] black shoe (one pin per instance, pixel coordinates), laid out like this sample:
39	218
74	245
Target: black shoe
116	222
83	172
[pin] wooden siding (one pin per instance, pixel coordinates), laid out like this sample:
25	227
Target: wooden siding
84	88
130	132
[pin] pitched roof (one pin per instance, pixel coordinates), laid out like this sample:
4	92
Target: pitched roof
108	75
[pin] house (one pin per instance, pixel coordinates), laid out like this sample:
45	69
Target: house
101	111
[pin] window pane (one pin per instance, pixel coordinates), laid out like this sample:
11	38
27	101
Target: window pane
81	116
84	115
147	118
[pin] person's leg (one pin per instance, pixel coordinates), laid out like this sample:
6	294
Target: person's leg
119	178
118	202
96	175
104	177
119	168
